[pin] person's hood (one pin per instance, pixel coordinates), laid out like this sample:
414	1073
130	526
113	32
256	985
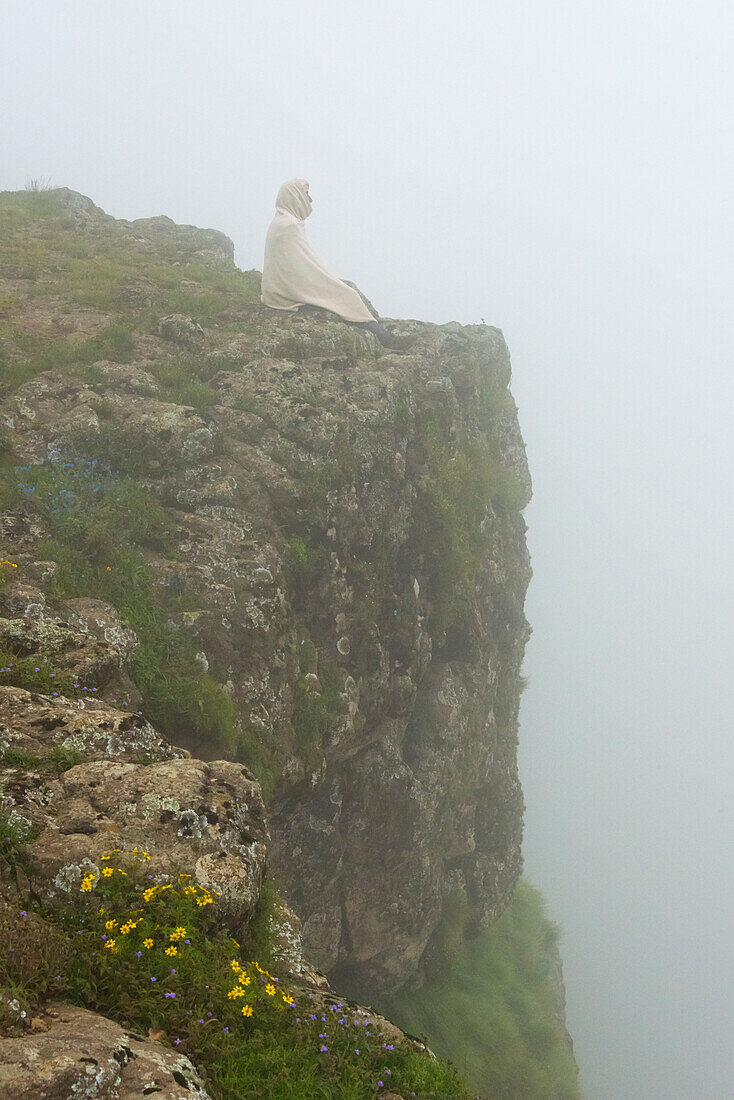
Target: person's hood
293	199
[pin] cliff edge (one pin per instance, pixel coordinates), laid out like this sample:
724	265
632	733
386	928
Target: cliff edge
314	547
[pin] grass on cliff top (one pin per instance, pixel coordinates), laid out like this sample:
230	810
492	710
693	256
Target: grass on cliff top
133	275
111	266
491	1004
155	955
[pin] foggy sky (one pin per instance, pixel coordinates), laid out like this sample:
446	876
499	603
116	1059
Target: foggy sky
563	171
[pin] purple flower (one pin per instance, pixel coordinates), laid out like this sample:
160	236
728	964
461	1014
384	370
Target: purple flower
138	953
356	1051
323	1047
177	1041
170	994
379	1084
154	979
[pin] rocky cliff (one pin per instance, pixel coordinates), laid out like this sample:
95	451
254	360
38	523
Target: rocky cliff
287	546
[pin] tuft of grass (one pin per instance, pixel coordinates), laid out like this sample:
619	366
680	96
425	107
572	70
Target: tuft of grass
54	762
114	342
304	565
34	955
38	185
34	672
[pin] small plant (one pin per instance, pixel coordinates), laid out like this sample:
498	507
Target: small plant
15	833
304	565
34	957
37	185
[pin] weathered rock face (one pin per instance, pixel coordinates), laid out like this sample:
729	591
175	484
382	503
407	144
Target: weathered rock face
75	1053
130	789
347	525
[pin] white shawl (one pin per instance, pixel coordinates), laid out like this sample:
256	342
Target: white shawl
293	274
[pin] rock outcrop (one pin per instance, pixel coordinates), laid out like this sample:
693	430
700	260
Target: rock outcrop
71	1052
346	526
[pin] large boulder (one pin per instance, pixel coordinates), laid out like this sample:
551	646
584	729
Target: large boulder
69	1052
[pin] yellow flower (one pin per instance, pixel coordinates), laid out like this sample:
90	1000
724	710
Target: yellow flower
110	944
270	989
110	924
124	929
107	871
172	951
147	943
244	979
101	912
247	1010
120	871
105	857
178	933
238	991
288	1000
87	881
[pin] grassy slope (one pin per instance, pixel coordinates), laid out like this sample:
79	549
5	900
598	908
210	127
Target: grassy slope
491	1006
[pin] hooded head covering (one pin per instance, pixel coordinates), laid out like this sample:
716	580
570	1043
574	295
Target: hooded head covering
293	199
293	275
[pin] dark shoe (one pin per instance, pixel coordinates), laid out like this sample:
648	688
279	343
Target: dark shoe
394	341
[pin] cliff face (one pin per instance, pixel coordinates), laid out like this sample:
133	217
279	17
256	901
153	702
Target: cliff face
324	572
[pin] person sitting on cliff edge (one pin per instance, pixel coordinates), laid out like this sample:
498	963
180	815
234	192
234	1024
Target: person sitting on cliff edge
294	276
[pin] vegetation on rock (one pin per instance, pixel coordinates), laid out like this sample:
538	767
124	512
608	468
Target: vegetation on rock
155	956
494	1003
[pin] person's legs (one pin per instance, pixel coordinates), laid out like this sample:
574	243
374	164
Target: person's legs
387	339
